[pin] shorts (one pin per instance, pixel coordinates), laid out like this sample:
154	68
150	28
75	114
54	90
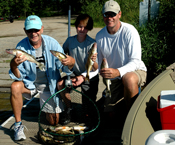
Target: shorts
53	105
142	77
117	90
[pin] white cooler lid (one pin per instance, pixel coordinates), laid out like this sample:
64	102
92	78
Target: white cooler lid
167	98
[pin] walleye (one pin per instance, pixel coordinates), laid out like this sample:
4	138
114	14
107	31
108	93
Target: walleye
59	55
107	82
28	56
67	128
90	63
80	128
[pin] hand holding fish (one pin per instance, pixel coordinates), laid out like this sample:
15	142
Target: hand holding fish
94	57
109	73
18	59
68	61
65	59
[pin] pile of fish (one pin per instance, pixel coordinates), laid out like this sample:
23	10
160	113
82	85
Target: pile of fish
62	134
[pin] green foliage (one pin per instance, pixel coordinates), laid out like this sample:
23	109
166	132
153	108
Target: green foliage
157	39
94	9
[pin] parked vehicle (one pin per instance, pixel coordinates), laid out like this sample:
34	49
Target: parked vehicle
9	18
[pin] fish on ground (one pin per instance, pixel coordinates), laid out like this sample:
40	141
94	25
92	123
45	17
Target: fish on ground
107	82
89	62
29	57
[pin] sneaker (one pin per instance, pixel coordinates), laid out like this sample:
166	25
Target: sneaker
19	132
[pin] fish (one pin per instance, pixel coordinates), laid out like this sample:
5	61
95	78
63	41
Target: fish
63	128
29	57
107	82
89	62
79	128
67	128
47	138
58	54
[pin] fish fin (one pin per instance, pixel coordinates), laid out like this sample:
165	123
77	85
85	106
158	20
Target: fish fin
41	67
109	82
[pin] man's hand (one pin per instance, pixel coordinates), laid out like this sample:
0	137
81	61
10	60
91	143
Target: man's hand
78	80
94	57
17	60
69	61
109	73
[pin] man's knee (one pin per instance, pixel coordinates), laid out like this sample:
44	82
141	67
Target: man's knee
17	86
130	79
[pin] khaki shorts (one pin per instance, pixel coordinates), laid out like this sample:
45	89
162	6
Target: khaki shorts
117	90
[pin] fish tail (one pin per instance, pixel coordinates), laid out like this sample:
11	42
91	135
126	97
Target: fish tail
108	93
87	78
41	67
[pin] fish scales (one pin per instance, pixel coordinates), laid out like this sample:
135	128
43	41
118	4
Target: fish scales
107	82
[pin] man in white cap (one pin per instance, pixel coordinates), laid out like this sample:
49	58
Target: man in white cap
120	44
29	79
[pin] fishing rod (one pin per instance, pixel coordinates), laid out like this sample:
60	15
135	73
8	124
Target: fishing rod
24	106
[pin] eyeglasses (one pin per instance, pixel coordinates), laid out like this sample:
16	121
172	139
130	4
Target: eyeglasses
109	14
32	30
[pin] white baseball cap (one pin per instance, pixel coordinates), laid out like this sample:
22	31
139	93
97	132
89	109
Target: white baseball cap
111	6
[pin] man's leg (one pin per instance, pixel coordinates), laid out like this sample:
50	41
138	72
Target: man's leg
65	95
17	89
52	118
130	81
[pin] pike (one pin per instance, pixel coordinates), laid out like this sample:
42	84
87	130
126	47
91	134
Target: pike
29	57
107	82
90	63
59	55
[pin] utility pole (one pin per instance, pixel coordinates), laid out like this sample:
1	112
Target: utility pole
69	20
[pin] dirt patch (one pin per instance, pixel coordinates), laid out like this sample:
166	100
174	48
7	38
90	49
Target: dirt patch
56	27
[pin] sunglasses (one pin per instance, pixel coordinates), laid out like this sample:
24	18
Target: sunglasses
111	14
32	30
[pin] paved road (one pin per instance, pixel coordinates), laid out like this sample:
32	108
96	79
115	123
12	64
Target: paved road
12	33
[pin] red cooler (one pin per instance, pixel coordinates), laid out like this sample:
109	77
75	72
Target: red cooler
166	107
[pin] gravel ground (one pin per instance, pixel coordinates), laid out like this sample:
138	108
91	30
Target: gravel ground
56	27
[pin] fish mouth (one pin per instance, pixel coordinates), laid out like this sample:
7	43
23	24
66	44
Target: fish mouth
7	50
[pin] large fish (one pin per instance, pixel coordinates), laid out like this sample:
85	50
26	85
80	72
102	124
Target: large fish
89	62
59	55
28	56
107	82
